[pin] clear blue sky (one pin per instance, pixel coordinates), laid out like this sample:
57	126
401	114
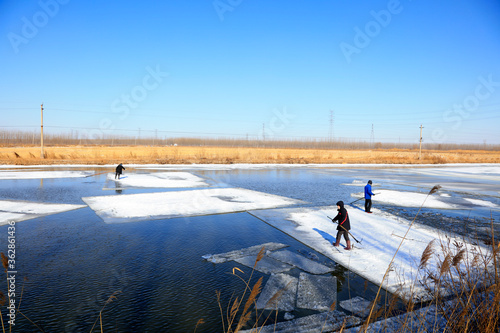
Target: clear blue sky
236	68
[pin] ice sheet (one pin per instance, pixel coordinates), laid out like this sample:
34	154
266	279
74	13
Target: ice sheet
155	180
266	265
315	292
43	174
412	199
11	210
415	199
249	251
358	306
147	206
322	322
417	321
483	203
380	236
279	293
484	172
301	262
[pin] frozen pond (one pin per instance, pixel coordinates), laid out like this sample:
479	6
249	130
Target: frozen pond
148	234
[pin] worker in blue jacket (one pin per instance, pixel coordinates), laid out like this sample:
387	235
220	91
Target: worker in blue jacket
368	197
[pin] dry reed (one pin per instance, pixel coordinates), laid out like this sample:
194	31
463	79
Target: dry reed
228	155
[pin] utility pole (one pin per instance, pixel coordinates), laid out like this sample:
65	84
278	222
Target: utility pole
420	153
42	155
372	137
331	125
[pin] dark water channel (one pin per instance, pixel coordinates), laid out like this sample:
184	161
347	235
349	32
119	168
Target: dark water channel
73	262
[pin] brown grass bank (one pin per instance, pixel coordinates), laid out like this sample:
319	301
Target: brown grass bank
227	155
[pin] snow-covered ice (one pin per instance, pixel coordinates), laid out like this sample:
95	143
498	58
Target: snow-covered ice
415	199
483	203
412	199
380	235
9	174
16	211
147	206
170	179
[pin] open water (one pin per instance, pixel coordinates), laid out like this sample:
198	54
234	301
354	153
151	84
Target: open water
69	264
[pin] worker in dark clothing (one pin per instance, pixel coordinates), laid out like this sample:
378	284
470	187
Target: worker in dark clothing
119	169
368	197
344	226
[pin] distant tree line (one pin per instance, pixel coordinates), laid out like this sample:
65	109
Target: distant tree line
10	138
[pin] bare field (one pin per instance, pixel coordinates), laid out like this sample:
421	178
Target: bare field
228	155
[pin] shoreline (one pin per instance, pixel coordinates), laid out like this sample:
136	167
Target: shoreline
248	165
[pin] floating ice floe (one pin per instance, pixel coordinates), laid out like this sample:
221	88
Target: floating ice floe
236	254
358	306
380	236
272	261
43	174
427	319
147	206
300	261
285	292
266	265
331	321
171	179
316	292
279	293
16	211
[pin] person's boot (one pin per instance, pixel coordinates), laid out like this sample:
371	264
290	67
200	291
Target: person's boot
336	242
348	247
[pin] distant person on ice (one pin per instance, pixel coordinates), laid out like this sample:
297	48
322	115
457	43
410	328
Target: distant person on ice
344	226
119	169
368	197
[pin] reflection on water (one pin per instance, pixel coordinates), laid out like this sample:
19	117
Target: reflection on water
118	187
74	262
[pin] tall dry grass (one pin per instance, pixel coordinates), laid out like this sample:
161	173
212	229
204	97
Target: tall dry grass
228	155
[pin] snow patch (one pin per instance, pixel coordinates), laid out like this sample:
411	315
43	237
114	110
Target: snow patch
44	174
16	211
147	206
